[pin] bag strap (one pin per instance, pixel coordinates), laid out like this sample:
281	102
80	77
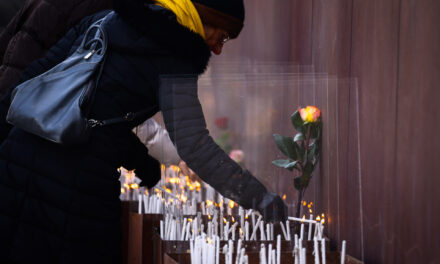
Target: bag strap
126	118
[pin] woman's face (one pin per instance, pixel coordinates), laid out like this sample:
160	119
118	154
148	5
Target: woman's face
215	38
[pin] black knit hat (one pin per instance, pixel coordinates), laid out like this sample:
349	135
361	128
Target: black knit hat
226	14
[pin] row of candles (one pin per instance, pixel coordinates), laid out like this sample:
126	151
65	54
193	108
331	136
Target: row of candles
176	196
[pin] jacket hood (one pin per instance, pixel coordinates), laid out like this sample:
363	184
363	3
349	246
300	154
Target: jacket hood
161	25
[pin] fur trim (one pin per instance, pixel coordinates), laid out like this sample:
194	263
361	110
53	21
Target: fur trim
161	24
216	18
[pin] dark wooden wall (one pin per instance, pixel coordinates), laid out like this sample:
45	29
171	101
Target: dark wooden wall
381	191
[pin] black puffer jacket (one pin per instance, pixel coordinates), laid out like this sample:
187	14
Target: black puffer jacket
60	204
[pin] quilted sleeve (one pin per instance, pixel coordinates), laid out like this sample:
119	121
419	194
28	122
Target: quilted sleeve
186	126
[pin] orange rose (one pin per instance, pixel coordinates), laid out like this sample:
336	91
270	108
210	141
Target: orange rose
310	114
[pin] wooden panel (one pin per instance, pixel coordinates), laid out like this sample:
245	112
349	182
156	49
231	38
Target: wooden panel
374	64
417	210
331	43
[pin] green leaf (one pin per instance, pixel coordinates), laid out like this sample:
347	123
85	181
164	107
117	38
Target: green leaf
297	122
286	145
299	137
287	164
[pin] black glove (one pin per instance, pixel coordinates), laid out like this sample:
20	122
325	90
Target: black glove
272	208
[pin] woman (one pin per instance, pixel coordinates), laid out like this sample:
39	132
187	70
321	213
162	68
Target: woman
60	205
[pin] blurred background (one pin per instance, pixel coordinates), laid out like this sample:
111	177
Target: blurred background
373	68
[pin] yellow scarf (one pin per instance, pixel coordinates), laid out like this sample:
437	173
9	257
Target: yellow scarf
186	14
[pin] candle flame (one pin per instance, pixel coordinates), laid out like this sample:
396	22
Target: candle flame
246	216
134	186
122	190
224	220
303	218
209	203
233	219
284	197
126	186
209	217
304	203
190	220
318	219
231	204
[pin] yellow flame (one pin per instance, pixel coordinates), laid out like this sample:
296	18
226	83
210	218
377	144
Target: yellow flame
209	203
240	231
318	219
323	221
122	190
208	240
126	186
209	217
190	220
231	204
134	186
284	197
310	211
224	220
246	216
233	219
303	218
304	203
183	198
168	190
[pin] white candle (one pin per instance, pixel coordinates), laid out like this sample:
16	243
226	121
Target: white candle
273	256
296	241
263	254
279	249
344	245
316	250
161	230
217	250
323	250
253	220
241	256
254	231
246	232
140	204
302	232
288	230
231	250
303	255
182	237
263	237
283	230
269	254
309	233
237	258
268	231
227	230
296	253
301	220
146	200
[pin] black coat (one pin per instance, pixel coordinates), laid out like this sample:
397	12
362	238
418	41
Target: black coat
61	204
